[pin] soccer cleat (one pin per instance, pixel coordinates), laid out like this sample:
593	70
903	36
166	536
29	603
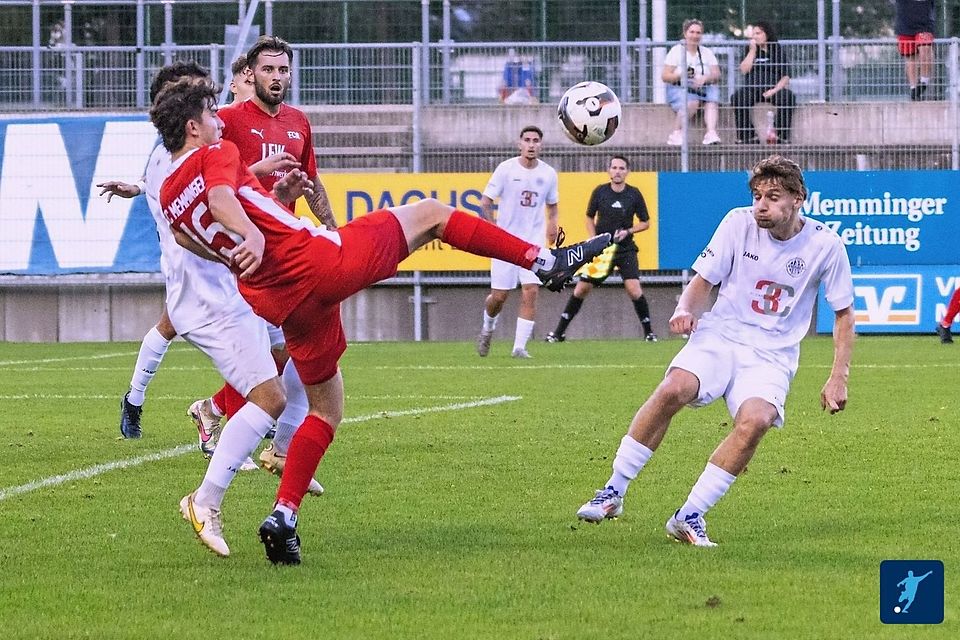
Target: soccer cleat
208	425
571	258
520	353
274	462
553	338
129	418
691	530
606	504
651	337
483	343
946	337
206	524
248	465
280	540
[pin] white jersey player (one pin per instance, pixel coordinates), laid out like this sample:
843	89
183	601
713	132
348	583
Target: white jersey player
527	188
205	308
769	262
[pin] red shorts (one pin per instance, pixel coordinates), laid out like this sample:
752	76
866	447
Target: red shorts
371	248
908	44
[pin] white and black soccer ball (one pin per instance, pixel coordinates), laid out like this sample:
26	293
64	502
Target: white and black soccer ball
589	113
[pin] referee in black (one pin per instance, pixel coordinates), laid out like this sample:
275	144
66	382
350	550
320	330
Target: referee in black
613	207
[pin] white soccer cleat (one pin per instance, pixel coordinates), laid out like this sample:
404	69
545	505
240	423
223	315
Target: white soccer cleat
249	465
206	524
207	423
690	530
520	353
274	462
606	504
483	343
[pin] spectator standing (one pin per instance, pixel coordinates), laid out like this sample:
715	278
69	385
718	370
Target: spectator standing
766	76
517	86
916	20
703	74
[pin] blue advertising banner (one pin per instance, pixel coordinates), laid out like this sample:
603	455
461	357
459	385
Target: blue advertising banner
883	217
52	220
897	299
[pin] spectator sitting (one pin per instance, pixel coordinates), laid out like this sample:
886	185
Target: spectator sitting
766	75
517	86
703	73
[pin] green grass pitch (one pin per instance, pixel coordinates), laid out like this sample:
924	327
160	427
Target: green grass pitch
449	518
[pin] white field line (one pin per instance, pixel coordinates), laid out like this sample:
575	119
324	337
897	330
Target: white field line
116	397
662	366
98	356
96	470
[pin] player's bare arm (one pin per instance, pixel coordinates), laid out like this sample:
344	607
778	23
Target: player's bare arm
192	246
319	204
693	302
277	162
228	211
833	396
121	189
292	186
553	220
486	209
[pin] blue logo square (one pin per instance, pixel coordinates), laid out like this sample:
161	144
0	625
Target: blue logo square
911	592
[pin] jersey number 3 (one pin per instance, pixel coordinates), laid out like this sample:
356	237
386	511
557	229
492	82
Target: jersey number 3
771	301
528	198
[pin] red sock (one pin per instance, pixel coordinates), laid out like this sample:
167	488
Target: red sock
952	309
479	237
220	400
309	444
233	400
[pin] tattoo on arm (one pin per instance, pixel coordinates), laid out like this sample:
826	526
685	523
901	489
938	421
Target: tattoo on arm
320	205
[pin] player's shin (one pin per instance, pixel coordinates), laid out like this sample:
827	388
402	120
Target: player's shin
241	435
482	238
308	446
630	460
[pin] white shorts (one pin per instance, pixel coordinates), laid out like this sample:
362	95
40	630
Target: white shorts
736	372
505	275
275	335
239	347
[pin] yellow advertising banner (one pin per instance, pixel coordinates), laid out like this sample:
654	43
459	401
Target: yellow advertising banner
356	194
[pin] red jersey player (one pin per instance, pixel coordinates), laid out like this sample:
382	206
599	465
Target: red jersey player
265	125
295	275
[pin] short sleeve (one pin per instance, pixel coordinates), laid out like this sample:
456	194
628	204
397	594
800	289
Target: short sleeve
553	195
837	279
593	204
222	166
672	58
709	57
640	207
308	159
495	185
715	262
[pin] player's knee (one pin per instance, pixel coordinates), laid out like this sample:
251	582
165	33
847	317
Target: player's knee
676	391
752	425
165	327
270	397
433	210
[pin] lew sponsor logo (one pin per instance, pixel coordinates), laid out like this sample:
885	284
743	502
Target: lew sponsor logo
887	300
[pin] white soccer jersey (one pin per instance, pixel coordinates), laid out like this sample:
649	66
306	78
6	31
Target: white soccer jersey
523	194
768	287
198	290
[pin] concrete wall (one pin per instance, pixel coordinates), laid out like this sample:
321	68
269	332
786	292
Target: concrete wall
91	313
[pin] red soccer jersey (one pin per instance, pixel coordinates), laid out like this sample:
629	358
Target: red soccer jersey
258	135
296	253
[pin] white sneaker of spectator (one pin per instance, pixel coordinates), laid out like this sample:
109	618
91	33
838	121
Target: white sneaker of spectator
675	139
711	137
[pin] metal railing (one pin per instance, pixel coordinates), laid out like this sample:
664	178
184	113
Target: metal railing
117	77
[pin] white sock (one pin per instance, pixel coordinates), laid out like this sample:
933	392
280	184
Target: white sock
152	350
241	435
710	487
631	458
544	261
489	322
289	515
924	80
294	413
214	408
524	331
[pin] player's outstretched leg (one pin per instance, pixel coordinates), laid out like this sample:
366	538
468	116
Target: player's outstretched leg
152	349
571	258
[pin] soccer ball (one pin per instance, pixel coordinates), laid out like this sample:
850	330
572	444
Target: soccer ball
589	113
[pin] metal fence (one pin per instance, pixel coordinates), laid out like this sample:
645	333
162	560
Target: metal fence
117	77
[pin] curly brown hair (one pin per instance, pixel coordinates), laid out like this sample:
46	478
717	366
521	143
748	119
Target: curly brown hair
178	103
780	170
